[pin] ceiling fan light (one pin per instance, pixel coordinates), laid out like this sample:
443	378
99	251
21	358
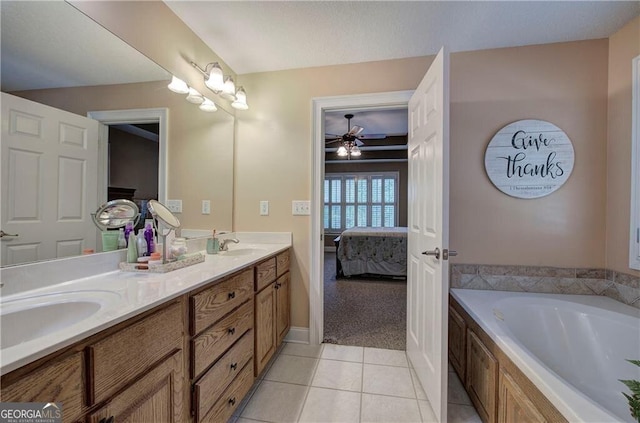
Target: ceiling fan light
355	151
241	100
195	97
177	85
215	80
208	105
342	151
229	89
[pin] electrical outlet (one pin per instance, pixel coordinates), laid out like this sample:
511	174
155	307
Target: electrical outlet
206	206
264	208
300	208
174	206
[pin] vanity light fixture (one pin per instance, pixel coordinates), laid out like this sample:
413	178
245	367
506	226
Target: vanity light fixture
177	85
194	96
223	85
208	105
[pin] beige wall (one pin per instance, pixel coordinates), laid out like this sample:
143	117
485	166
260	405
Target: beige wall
623	47
565	84
200	147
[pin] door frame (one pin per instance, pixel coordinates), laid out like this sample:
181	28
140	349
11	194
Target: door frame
132	116
319	106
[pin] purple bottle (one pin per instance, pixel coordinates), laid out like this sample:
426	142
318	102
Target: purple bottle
127	230
148	236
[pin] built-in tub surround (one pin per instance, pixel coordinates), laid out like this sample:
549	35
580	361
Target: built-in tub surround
573	348
136	292
552	280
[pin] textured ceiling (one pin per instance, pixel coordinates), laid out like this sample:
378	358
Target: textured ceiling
50	44
257	36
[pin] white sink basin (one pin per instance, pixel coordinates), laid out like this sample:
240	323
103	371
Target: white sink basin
242	251
28	318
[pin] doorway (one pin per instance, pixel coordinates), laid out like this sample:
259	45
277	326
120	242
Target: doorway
320	107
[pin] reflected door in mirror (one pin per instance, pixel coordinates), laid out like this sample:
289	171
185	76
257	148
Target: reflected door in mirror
49	174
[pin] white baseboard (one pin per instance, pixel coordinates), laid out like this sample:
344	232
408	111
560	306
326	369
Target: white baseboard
298	335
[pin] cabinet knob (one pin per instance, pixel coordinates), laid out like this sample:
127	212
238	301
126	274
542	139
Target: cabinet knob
234	366
232	331
232	401
232	294
110	419
277	286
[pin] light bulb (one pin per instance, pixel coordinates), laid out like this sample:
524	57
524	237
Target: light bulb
215	80
355	151
177	85
208	105
241	100
342	151
194	96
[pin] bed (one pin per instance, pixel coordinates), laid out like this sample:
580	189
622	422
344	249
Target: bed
376	251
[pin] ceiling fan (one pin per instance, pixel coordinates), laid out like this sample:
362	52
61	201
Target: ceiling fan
351	140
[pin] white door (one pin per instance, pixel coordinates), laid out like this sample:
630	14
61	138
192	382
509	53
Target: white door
49	181
428	275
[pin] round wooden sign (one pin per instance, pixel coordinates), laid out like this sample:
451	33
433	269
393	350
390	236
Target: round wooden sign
529	158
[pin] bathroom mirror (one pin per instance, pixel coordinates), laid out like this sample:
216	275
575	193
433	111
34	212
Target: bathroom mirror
116	214
200	145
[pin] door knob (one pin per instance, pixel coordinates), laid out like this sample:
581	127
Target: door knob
448	253
435	253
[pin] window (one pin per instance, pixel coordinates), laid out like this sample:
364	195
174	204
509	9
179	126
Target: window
360	199
634	238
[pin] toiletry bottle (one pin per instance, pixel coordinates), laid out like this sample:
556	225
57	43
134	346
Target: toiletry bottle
132	251
122	242
148	236
127	230
141	244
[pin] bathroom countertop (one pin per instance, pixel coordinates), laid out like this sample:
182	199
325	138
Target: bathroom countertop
121	295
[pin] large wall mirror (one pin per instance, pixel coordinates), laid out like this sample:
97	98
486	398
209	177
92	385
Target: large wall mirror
53	176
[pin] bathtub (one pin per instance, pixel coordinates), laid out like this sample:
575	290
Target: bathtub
572	347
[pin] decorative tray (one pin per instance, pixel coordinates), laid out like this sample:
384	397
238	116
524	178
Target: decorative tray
184	261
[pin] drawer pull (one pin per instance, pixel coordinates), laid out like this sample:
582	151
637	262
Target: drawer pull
111	419
232	294
277	286
234	366
232	331
232	401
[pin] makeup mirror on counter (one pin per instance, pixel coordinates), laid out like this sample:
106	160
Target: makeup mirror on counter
167	222
88	69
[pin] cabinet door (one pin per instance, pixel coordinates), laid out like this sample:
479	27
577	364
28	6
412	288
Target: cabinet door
457	342
283	315
515	406
482	371
265	304
58	381
158	396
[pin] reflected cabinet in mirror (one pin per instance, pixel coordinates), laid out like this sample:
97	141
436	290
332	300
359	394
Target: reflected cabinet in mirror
59	165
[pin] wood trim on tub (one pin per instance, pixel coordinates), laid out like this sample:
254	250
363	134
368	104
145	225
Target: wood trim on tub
546	408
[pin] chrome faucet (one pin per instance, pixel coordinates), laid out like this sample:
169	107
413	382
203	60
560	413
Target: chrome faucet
224	242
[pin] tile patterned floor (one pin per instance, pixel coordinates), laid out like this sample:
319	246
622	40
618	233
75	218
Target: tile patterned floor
336	383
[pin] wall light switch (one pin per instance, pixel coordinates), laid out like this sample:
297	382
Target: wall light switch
300	208
206	206
175	206
264	208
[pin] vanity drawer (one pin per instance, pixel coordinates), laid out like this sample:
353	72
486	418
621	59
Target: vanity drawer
60	381
211	305
282	263
213	342
265	273
123	356
209	388
223	409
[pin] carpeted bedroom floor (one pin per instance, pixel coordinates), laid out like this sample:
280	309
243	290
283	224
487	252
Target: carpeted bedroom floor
368	312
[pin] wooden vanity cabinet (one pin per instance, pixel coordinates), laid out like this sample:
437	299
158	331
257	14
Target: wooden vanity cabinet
222	346
272	307
515	406
457	342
